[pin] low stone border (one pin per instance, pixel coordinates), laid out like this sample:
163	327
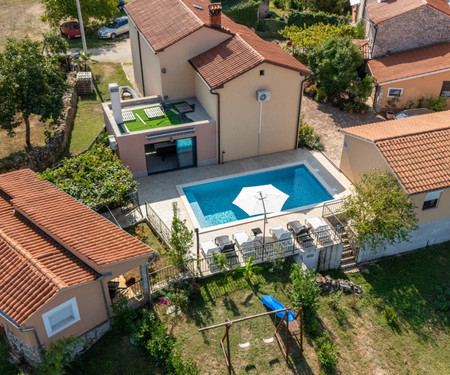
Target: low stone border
327	284
40	158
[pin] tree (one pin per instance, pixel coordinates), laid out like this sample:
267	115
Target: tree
181	240
328	6
57	10
30	83
335	63
380	210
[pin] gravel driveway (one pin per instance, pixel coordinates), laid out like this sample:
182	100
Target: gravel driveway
327	120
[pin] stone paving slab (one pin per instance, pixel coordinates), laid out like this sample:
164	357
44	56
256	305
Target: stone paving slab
327	120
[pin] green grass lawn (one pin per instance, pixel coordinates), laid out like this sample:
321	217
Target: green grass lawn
168	119
367	344
89	118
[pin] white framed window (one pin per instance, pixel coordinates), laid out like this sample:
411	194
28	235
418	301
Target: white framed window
395	92
431	199
61	317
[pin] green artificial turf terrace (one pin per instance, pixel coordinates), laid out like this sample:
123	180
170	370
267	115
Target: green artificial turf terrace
169	119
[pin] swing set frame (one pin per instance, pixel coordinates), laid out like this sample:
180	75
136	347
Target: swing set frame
284	320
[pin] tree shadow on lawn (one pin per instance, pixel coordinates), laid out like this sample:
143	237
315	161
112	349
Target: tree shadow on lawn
408	285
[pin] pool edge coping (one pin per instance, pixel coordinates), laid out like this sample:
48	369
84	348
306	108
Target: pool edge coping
310	169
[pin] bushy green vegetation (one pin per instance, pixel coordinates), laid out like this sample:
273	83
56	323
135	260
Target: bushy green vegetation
306	19
245	13
307	138
6	368
96	178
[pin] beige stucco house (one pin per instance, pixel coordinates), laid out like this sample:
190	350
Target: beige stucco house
404	78
416	150
247	90
56	259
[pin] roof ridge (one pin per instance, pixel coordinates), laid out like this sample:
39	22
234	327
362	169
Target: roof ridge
43	270
412	134
253	49
182	2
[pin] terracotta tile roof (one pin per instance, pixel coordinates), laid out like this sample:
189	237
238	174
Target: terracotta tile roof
416	148
175	19
412	63
163	23
421	162
81	230
23	288
380	12
33	267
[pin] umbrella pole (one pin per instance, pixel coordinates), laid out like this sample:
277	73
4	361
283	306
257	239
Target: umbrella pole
265	220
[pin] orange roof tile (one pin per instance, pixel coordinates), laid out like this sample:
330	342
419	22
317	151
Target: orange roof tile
33	267
163	23
417	149
79	229
412	63
421	162
386	10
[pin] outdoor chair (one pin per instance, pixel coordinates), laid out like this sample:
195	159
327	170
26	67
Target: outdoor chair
208	249
245	244
301	233
224	243
283	236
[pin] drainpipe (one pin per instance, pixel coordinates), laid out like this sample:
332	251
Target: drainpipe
41	348
218	124
300	111
108	315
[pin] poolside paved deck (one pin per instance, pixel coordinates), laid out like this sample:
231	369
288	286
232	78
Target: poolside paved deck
160	190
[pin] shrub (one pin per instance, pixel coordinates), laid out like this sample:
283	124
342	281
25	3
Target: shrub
244	13
391	316
177	294
437	104
178	367
96	178
280	4
307	138
153	337
327	354
6	367
60	354
305	289
123	321
307	18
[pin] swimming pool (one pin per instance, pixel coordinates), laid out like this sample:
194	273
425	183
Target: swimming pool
212	204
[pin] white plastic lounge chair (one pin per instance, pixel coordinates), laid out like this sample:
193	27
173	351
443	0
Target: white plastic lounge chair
245	244
208	248
283	236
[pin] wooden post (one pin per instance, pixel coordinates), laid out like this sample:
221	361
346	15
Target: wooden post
228	349
286	316
301	329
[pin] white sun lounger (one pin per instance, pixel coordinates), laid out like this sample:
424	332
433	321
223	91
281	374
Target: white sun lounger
244	243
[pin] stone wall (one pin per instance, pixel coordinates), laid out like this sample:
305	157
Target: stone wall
415	29
40	158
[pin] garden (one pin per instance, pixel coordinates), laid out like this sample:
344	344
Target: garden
400	324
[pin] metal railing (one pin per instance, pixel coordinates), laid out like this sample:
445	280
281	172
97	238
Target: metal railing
158	226
131	291
333	208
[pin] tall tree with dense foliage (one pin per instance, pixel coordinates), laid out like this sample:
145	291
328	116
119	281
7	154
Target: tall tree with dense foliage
57	10
96	178
335	63
380	210
30	83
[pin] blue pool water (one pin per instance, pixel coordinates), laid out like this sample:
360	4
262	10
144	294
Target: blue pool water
212	201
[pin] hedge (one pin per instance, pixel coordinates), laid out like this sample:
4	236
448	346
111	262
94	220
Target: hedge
307	19
245	13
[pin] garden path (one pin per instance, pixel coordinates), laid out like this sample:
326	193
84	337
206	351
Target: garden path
327	120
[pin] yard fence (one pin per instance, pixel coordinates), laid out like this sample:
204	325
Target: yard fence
158	226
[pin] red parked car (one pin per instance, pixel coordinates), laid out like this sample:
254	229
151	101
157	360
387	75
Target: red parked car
70	29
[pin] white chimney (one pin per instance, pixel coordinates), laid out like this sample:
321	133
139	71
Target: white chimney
114	94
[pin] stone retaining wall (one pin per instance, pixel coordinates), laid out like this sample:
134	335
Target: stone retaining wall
40	158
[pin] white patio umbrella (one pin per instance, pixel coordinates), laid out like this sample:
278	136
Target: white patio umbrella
261	199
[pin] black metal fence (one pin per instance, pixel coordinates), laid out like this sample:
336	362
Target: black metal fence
129	292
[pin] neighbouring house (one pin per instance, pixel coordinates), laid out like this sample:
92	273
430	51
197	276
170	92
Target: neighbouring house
394	26
416	150
57	258
358	7
223	92
408	76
